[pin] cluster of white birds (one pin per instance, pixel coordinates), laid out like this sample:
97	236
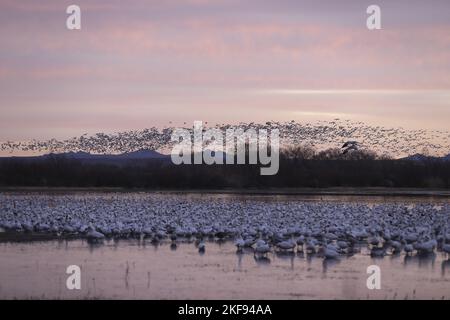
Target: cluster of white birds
329	229
395	142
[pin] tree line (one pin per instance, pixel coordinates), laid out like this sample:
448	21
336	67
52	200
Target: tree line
300	167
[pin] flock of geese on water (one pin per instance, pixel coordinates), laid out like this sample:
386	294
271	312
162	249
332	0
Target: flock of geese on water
328	229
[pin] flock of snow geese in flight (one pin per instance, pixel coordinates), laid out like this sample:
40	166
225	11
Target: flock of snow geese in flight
323	229
394	142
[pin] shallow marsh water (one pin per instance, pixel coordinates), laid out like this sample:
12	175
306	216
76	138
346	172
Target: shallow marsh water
129	269
133	269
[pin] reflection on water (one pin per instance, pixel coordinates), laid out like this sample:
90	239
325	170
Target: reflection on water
139	270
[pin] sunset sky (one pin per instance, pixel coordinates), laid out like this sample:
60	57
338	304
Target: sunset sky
143	63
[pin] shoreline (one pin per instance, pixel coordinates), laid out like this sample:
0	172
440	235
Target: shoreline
333	191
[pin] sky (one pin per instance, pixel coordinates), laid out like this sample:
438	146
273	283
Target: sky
142	63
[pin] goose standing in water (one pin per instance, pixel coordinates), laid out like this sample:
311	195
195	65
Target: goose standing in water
377	252
249	242
262	248
330	252
425	247
374	241
409	248
93	235
445	245
311	245
446	249
342	245
240	244
173	239
201	247
287	245
396	246
300	242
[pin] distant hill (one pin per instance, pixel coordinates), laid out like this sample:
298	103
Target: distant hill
123	158
151	155
420	157
142	154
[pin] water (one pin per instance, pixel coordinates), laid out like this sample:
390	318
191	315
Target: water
134	269
130	269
